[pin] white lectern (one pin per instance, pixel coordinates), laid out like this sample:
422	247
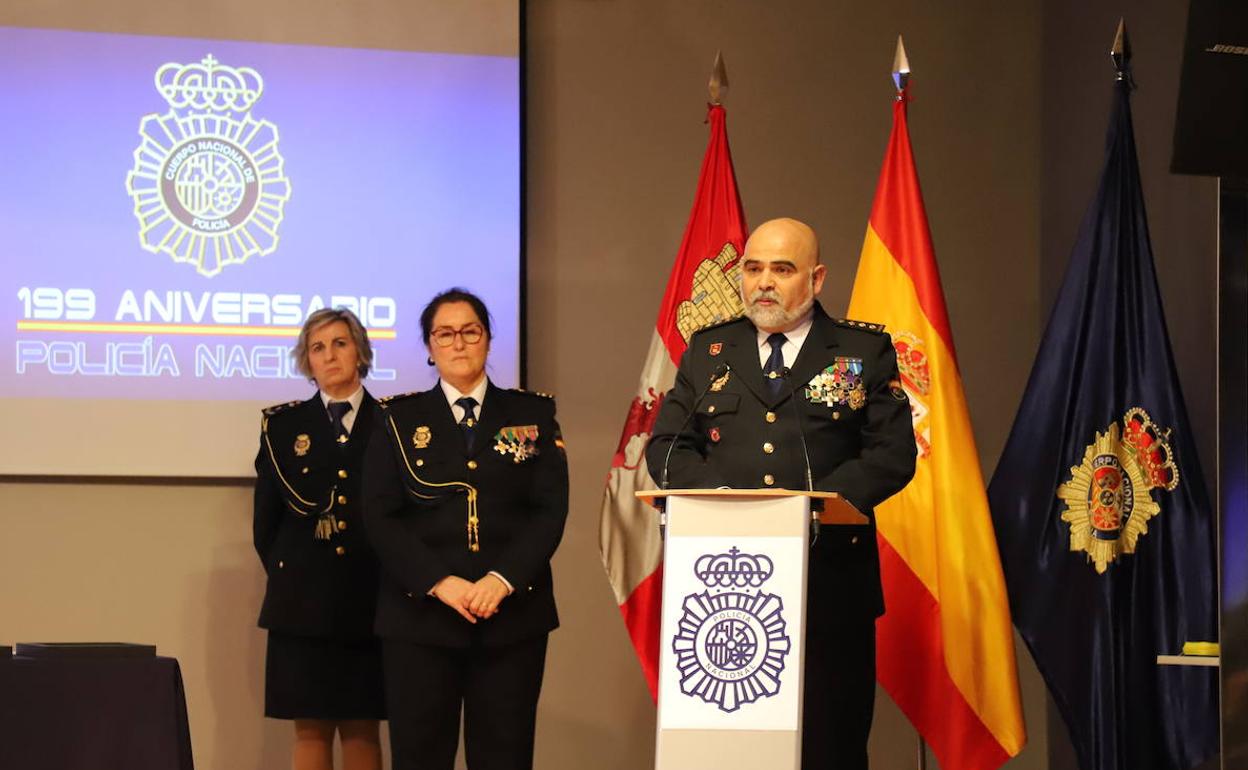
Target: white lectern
734	601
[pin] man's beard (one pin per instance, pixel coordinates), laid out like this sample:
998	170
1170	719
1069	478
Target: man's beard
775	316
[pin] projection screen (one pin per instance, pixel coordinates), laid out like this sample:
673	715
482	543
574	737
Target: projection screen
175	206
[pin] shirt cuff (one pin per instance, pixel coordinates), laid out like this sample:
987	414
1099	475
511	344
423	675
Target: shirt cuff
510	588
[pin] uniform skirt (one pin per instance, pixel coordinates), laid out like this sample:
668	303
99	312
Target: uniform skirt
316	678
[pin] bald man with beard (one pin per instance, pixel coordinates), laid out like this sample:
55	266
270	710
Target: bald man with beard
786	360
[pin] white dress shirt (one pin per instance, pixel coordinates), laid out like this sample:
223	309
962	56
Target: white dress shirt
355	399
794	339
453	395
478	392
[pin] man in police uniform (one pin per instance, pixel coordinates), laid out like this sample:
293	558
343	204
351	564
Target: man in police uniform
751	381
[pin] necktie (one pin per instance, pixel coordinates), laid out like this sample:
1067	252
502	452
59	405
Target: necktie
469	421
774	371
337	411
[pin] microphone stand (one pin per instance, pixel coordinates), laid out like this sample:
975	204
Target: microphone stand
801	434
720	371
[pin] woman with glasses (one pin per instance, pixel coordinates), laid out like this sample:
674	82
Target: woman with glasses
467	493
323	666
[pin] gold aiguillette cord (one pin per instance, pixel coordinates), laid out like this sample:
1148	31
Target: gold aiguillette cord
474	542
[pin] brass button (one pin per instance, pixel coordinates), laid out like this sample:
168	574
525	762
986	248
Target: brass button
340	550
472	465
341	525
771	417
854	540
419	463
769	479
342	499
305	470
710	409
342	474
768	447
836	415
281	565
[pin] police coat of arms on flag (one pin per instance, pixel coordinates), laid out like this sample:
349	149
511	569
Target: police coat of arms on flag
1109	496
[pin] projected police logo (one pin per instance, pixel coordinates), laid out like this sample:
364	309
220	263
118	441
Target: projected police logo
732	641
208	184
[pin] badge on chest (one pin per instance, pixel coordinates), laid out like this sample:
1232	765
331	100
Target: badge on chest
840	384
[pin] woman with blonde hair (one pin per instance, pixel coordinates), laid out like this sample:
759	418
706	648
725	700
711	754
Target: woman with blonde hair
323	663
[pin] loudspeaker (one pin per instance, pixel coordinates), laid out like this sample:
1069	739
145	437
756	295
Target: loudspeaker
1211	125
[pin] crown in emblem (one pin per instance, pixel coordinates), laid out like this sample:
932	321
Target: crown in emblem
209	85
724	570
1151	447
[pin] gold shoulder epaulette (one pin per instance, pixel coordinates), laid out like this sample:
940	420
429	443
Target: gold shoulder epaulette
276	408
534	393
384	401
716	325
864	325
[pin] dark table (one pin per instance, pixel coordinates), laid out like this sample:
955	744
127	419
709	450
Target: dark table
93	714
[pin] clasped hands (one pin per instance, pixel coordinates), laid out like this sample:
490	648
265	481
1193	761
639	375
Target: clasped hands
471	600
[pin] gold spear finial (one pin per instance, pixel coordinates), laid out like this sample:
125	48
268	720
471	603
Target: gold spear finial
1120	53
718	86
901	66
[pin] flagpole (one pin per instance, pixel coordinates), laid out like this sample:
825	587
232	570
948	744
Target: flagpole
901	76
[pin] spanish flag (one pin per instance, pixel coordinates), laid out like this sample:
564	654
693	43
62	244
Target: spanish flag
945	646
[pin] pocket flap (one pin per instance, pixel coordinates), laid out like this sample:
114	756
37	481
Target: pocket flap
719	403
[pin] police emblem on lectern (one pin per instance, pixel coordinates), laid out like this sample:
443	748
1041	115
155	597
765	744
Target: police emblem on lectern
208	183
731	641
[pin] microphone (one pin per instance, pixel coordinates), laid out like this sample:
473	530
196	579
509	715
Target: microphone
801	434
720	371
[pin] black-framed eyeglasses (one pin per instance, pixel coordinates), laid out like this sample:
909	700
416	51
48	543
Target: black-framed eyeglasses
445	337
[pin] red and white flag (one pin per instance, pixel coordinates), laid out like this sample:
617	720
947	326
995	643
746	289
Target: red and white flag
703	289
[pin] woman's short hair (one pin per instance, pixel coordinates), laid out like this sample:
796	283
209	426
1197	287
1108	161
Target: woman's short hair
319	318
454	294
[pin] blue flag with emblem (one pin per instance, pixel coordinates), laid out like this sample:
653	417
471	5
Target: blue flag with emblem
1101	512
